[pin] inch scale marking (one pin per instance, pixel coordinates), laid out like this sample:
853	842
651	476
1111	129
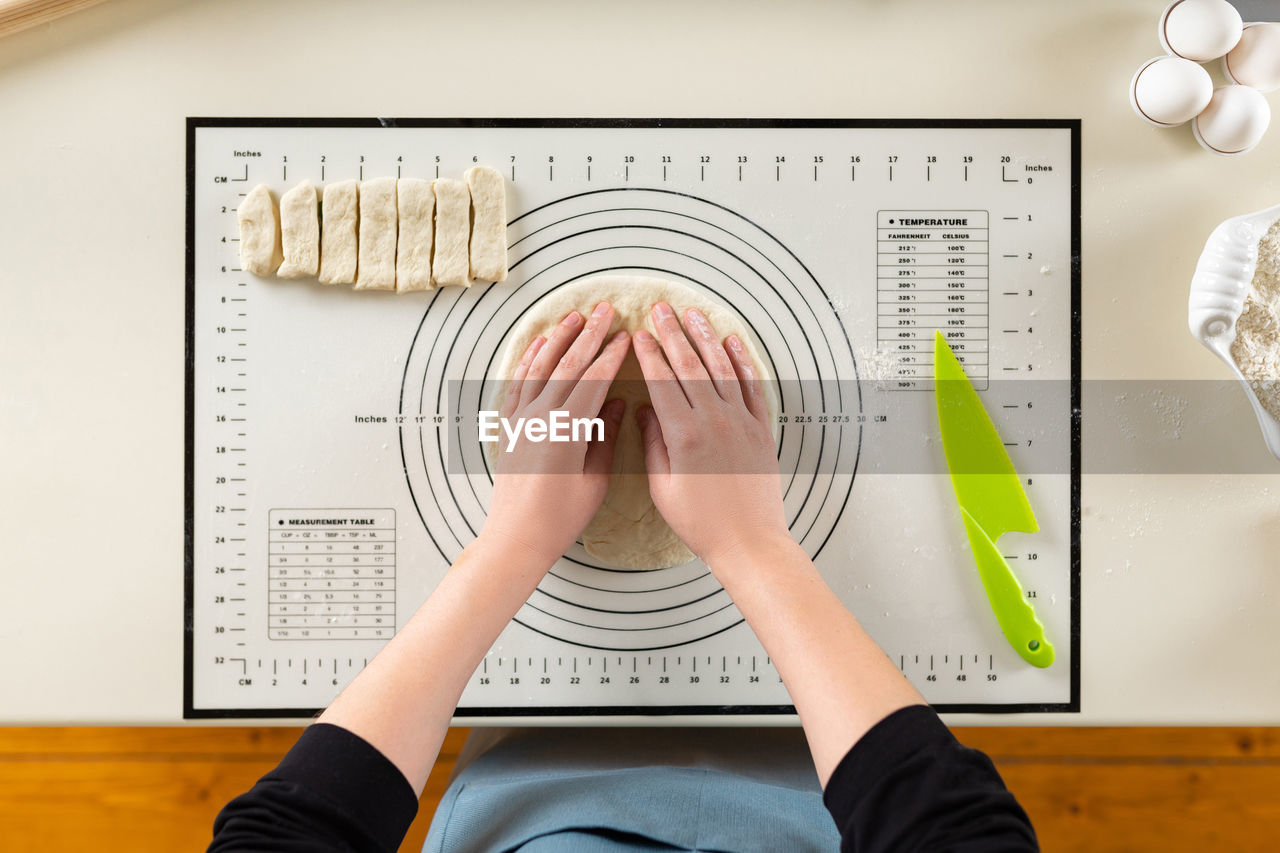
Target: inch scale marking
309	398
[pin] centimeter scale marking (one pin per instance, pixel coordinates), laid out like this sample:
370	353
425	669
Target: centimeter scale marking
229	436
593	669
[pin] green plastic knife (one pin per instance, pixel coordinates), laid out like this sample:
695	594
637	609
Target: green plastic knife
992	500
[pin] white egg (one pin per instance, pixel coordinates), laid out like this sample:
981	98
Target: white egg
1234	121
1168	91
1255	61
1200	30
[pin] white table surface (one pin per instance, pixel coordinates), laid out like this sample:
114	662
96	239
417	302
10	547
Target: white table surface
1180	581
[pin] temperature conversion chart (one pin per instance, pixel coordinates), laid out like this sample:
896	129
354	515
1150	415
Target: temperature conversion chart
333	468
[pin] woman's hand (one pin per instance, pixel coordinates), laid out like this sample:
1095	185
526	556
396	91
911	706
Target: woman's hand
543	495
709	417
546	492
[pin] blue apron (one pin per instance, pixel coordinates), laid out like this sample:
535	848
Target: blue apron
597	790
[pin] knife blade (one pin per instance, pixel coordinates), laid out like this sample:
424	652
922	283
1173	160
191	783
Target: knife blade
991	498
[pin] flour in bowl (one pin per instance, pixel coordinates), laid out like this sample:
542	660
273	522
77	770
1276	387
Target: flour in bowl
1256	348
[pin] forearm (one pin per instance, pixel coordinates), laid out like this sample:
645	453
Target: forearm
402	702
842	684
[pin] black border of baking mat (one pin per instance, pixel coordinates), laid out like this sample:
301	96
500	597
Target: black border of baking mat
1074	125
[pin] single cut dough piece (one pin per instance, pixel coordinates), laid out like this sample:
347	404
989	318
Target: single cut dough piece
450	264
415	206
300	231
377	267
259	232
628	531
488	223
338	219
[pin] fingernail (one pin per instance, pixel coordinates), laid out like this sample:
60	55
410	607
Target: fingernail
622	333
735	342
643	415
643	336
663	310
616	408
696	316
601	310
573	319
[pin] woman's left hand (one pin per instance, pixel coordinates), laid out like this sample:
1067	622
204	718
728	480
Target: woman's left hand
545	493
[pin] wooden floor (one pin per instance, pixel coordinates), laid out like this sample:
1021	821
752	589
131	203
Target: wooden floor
144	789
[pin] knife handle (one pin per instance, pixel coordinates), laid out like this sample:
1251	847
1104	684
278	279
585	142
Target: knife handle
1016	617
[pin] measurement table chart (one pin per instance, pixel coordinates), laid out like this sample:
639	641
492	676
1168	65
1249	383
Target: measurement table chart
332	574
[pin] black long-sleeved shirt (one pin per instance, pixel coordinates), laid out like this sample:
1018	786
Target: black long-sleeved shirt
907	785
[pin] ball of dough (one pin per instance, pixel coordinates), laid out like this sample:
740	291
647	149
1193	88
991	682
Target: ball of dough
628	532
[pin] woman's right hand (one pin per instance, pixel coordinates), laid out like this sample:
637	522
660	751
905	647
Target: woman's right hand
709	450
713	474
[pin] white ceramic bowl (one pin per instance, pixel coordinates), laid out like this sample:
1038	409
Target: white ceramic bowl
1218	289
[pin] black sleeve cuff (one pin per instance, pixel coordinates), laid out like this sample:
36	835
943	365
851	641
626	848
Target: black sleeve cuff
332	792
908	784
350	773
885	746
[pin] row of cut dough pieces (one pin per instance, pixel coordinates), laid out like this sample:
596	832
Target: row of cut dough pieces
402	234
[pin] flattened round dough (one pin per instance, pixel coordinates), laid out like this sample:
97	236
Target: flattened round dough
628	532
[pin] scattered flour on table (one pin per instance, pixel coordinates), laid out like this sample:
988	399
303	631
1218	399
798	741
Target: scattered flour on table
1256	348
877	366
1168	410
